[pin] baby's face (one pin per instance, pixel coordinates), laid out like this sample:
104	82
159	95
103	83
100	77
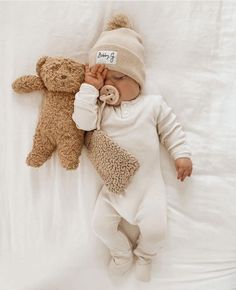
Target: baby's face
127	87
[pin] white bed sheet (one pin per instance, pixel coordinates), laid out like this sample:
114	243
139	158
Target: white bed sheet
46	242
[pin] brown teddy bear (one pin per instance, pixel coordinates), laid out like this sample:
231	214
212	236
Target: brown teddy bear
59	79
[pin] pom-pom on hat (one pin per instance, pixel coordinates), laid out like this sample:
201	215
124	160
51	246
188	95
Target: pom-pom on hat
120	48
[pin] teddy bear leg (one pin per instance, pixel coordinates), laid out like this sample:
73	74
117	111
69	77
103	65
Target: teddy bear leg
41	151
69	150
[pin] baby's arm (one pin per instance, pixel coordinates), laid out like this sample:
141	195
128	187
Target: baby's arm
85	105
85	108
173	138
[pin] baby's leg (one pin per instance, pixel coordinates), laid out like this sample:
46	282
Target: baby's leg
105	224
152	225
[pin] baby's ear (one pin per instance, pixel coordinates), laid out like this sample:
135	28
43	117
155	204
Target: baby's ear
27	84
40	63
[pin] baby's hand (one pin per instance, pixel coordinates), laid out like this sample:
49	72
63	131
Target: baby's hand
95	75
183	167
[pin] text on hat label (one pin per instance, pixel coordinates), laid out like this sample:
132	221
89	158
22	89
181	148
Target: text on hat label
106	56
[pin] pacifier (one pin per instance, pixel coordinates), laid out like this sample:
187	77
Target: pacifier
109	94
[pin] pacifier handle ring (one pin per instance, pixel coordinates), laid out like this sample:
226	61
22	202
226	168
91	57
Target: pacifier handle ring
108	93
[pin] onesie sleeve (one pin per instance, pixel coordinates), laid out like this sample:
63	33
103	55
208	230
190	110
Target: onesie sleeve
86	108
171	133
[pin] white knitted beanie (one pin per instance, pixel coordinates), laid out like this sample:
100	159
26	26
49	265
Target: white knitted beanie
120	48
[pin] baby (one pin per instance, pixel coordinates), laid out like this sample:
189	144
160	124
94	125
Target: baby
138	123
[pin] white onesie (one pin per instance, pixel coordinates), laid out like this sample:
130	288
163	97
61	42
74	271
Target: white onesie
138	126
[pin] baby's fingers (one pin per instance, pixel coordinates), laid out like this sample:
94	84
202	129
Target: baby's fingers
88	72
99	78
97	68
180	174
87	69
183	173
190	171
101	68
104	73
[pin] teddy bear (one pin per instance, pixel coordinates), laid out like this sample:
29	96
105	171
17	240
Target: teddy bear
59	79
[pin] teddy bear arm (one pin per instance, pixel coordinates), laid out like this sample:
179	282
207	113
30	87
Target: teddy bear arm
27	84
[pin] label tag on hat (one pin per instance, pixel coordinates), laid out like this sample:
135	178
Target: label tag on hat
106	56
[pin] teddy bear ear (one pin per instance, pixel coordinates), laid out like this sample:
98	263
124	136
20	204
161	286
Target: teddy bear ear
39	64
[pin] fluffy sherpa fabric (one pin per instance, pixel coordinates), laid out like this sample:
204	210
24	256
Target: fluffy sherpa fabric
59	79
114	164
120	48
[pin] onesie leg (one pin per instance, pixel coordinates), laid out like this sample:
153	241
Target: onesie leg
105	224
152	225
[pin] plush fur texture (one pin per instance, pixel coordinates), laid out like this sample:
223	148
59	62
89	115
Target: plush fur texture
119	21
114	164
58	79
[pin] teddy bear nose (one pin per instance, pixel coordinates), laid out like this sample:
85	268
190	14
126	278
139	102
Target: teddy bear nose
63	77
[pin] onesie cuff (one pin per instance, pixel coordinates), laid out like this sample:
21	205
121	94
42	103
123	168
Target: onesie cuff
90	89
182	155
87	93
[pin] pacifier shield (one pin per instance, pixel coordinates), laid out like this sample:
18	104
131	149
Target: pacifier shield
109	94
